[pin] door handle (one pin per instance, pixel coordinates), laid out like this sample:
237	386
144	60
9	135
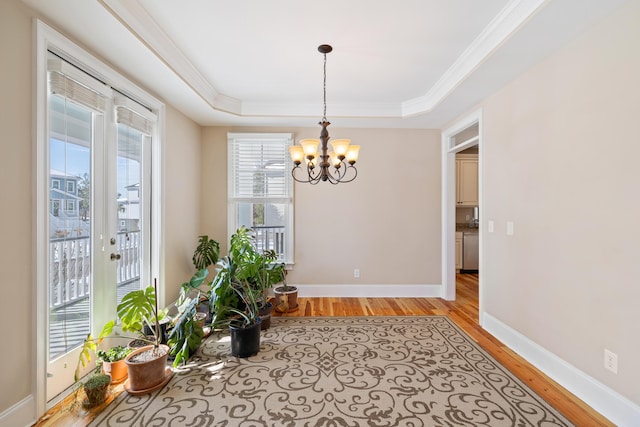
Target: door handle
115	257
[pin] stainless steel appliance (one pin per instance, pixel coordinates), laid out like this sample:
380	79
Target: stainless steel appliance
470	248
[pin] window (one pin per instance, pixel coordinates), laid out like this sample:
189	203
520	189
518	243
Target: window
71	206
55	184
260	193
71	187
55	207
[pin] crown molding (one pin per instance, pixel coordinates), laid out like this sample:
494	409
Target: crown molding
512	17
515	14
136	18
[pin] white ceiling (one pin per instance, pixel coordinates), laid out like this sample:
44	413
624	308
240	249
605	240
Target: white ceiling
406	64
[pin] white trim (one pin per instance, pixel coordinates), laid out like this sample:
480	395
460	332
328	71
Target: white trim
448	201
20	414
146	29
499	30
370	291
41	37
617	408
158	204
142	25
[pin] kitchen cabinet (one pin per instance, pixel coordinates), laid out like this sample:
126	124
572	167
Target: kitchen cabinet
458	251
466	180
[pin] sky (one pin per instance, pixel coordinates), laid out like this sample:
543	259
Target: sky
75	160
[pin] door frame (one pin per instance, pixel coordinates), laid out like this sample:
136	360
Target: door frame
45	38
449	204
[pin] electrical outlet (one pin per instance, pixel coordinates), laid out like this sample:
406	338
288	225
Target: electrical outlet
468	217
490	226
509	228
356	273
611	361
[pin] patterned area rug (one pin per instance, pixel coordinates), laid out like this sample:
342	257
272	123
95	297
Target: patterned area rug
348	371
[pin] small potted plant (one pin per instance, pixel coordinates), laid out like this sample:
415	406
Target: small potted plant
112	362
286	296
96	388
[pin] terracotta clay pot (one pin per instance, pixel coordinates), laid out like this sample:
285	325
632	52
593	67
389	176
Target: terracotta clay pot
286	300
118	370
149	374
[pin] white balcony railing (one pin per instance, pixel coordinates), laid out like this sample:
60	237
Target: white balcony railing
70	266
270	238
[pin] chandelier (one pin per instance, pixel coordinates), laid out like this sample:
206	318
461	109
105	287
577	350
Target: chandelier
334	166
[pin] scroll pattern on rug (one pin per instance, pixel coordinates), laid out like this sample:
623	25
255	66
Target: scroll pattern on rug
348	371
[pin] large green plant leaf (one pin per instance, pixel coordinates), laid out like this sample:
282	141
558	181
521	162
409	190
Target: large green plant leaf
136	308
206	253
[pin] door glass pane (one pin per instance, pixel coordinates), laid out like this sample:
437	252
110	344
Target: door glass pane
129	186
69	224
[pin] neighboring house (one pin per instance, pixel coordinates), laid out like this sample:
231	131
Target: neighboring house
64	206
129	209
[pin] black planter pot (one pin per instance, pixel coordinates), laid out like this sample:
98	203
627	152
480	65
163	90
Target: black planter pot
164	336
245	341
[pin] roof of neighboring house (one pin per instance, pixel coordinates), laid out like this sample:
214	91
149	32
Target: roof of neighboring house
59	194
55	173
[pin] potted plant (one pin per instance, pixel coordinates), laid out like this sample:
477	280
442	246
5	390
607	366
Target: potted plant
286	296
97	386
96	389
246	326
147	365
112	362
235	292
187	332
268	273
192	305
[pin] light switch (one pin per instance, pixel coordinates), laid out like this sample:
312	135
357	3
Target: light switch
490	226
509	228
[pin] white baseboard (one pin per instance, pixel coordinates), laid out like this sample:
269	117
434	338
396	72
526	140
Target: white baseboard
371	291
617	408
20	414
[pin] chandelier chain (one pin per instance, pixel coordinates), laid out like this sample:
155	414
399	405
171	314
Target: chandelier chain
324	89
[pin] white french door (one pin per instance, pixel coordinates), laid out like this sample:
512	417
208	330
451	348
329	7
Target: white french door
98	225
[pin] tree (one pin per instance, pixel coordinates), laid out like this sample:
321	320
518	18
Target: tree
84	192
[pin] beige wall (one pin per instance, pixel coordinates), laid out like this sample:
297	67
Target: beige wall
561	161
386	222
182	199
16	263
182	181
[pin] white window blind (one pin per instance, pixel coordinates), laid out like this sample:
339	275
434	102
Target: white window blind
73	84
132	114
260	190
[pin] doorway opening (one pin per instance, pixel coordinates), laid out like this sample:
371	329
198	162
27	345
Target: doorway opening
462	203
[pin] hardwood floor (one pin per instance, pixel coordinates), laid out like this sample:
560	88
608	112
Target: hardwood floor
463	311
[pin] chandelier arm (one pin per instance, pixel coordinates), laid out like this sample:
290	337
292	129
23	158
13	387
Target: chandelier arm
310	178
355	170
339	177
